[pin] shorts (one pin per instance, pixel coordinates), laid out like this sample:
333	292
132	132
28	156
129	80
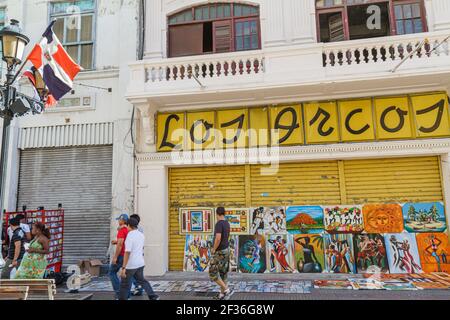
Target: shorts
220	265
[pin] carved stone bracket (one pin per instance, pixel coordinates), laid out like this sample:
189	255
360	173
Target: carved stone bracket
147	121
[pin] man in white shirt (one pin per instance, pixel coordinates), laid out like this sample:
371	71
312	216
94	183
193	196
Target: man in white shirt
133	262
25	228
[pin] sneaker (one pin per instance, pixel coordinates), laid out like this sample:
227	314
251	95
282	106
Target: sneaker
137	292
155	298
220	296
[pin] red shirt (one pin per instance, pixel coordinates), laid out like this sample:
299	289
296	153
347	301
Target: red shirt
122	234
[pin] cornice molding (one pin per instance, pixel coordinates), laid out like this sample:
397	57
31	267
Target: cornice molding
304	153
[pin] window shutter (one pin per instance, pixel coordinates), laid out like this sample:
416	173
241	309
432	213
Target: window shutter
223	40
336	26
186	40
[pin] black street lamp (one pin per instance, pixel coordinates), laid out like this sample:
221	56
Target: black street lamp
13	103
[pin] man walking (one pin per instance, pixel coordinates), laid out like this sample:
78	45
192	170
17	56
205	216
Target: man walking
117	259
133	262
220	263
16	249
25	227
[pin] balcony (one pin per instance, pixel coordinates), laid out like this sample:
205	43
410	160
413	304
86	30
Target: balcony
315	71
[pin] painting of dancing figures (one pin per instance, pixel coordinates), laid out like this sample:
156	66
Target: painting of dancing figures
339	253
403	254
434	251
268	220
280	251
370	253
252	254
197	253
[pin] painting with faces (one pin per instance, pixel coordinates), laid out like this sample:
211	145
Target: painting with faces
343	219
268	220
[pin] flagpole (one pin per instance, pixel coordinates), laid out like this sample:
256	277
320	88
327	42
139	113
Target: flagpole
19	71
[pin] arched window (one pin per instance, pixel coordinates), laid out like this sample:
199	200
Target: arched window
339	20
214	28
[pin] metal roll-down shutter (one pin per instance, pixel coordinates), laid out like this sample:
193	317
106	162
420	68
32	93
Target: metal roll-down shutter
79	179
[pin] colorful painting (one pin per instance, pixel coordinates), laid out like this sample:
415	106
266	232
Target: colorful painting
339	253
383	218
309	254
280	254
424	217
238	220
234	253
402	253
304	219
333	284
268	220
343	219
252	254
370	252
434	252
366	284
398	285
196	220
197	253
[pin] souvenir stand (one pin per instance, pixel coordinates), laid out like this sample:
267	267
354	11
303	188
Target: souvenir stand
54	220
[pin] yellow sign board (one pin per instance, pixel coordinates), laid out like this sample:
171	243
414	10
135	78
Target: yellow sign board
384	118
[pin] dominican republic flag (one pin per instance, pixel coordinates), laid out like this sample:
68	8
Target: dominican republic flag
31	74
54	64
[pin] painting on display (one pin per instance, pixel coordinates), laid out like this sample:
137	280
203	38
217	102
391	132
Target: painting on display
370	252
280	254
343	219
304	219
268	220
434	252
309	254
197	253
238	220
196	220
383	218
339	256
234	253
252	254
424	217
402	253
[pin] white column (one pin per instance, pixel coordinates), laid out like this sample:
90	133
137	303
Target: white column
152	204
440	14
154	25
445	167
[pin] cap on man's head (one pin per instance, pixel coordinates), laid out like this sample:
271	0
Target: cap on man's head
123	217
133	222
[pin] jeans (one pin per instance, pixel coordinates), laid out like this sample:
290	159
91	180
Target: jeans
7	269
138	274
113	269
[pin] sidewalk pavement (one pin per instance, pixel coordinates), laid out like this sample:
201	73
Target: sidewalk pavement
315	294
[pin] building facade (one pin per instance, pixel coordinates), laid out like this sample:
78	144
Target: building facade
265	103
80	153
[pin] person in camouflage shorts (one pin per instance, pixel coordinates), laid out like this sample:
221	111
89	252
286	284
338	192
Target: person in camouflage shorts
220	263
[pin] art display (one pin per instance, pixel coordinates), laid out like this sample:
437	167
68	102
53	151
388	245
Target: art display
402	253
383	218
304	219
333	284
339	253
343	219
252	254
366	284
196	220
234	253
197	253
434	252
309	253
238	220
398	285
424	217
280	254
370	252
268	220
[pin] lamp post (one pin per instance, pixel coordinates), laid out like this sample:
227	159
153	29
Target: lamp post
13	103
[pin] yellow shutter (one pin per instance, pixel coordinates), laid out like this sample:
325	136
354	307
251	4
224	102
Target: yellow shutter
201	187
393	180
316	183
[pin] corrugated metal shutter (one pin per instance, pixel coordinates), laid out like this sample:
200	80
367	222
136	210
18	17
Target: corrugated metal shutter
322	183
296	183
80	179
201	187
393	180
